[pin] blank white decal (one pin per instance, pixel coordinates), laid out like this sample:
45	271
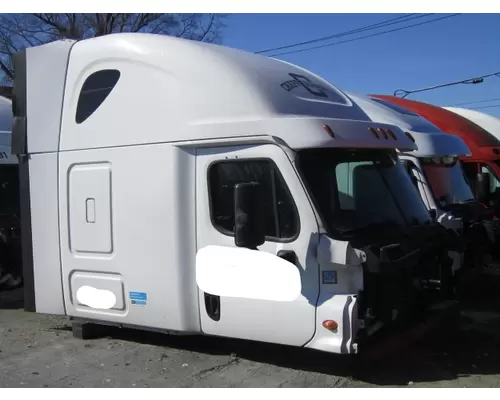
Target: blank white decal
244	273
96	298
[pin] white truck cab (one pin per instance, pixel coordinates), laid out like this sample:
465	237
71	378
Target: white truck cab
434	166
189	187
436	171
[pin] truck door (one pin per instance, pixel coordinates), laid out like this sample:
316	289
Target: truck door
291	232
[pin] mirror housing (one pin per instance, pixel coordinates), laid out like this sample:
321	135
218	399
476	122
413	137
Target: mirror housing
482	187
249	228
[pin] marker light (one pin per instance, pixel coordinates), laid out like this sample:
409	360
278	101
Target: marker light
409	135
329	131
383	132
445	160
392	134
448	160
330	325
374	132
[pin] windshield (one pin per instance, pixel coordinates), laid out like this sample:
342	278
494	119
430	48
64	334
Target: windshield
447	183
354	189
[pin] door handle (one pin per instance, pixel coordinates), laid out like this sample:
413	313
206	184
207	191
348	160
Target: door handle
288	255
212	306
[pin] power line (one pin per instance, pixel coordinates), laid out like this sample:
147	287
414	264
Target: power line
366	36
484	107
472	81
474	102
388	22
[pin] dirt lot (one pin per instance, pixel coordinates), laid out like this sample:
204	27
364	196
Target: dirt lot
40	351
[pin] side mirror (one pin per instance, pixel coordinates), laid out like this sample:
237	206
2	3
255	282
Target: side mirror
482	187
249	228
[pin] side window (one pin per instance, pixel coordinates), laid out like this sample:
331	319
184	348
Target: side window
471	169
494	183
94	91
281	217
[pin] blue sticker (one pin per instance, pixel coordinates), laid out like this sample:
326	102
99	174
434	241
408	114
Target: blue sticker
138	298
330	277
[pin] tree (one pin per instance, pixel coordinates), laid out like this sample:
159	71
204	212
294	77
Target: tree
19	31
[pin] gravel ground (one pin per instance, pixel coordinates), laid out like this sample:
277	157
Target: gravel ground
40	351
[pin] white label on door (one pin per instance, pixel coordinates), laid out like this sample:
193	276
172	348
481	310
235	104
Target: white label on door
243	273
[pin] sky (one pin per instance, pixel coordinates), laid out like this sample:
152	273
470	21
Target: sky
452	49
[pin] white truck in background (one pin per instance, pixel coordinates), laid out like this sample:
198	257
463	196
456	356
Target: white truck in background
434	166
436	171
232	195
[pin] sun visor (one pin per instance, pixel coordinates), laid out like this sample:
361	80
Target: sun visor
439	145
301	133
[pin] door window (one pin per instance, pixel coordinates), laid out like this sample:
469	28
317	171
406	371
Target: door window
281	216
471	169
